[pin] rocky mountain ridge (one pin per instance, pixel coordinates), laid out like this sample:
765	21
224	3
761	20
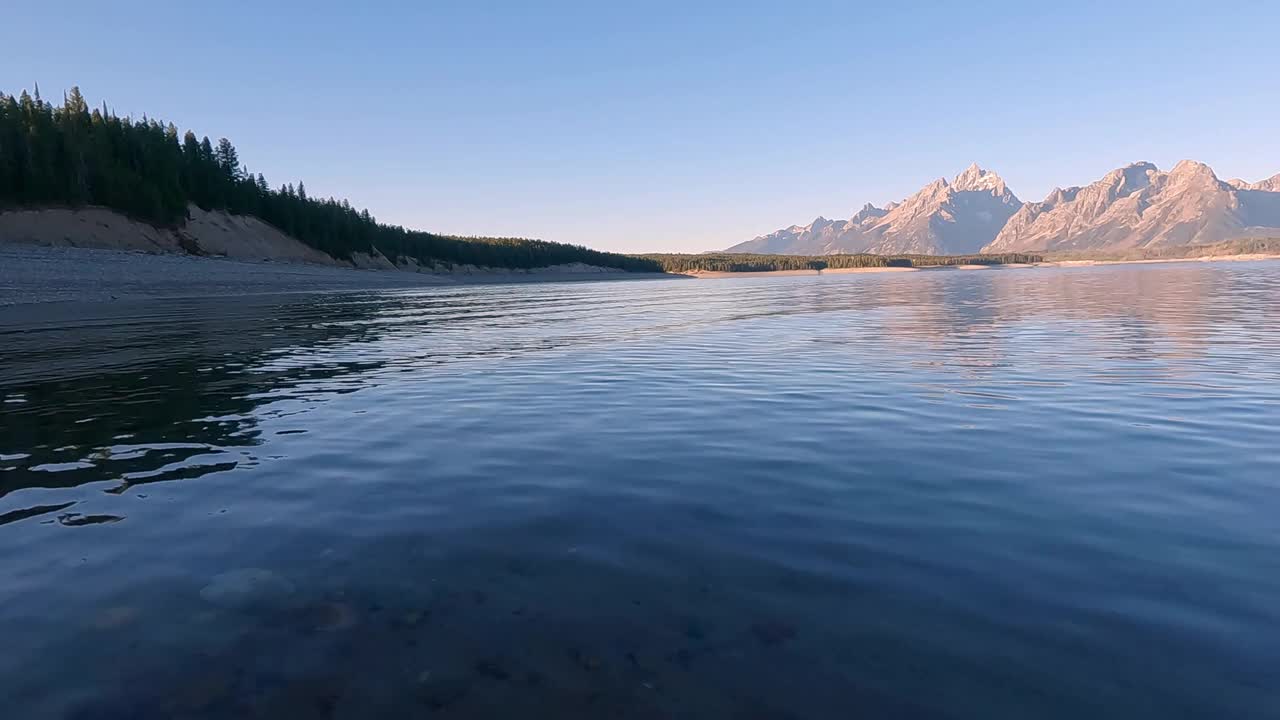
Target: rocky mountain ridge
1136	206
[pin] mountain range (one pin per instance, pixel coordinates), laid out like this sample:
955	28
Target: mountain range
1137	206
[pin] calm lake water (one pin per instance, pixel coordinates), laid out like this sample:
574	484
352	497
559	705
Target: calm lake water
1000	494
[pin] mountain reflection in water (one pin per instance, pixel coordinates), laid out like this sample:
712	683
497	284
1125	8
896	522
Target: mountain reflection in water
1001	493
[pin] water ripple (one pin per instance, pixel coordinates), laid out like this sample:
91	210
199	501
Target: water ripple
1045	493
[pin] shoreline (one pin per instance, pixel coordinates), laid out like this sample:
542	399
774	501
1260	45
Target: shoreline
721	275
40	275
36	274
1243	257
717	274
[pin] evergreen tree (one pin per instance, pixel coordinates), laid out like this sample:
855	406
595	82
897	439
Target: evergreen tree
228	159
70	155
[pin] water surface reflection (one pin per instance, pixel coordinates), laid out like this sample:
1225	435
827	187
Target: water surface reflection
1003	493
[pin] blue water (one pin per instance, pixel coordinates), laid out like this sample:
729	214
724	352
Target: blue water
1048	493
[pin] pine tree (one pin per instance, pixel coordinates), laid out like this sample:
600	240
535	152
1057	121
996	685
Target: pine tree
9	151
71	155
74	103
228	159
75	126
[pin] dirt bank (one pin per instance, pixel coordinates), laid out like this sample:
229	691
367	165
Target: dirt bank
220	234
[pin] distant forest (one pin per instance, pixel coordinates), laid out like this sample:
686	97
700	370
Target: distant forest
72	156
1241	246
741	262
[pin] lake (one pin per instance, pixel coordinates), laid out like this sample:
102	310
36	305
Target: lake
1047	493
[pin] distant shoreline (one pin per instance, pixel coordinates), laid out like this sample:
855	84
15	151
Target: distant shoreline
1242	257
41	275
718	275
711	274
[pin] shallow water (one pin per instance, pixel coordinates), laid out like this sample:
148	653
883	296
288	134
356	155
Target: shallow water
998	494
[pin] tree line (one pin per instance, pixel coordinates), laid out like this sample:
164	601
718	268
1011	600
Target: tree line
745	262
1238	246
72	156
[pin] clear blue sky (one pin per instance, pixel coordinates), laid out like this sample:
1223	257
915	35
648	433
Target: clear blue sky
670	126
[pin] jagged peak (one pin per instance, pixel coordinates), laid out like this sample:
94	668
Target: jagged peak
1060	195
1124	181
975	179
1271	184
1142	166
1190	204
939	184
868	211
972	173
1192	168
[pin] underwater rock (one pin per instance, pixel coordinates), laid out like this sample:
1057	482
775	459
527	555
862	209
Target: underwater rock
314	698
440	693
200	693
78	520
114	617
493	668
248	588
695	630
585	661
330	616
771	633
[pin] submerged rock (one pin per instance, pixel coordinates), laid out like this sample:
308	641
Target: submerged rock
493	668
248	588
302	697
201	692
114	617
442	693
771	633
330	616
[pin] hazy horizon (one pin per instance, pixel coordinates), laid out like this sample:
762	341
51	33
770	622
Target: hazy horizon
671	129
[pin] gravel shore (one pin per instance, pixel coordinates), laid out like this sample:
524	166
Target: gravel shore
34	274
